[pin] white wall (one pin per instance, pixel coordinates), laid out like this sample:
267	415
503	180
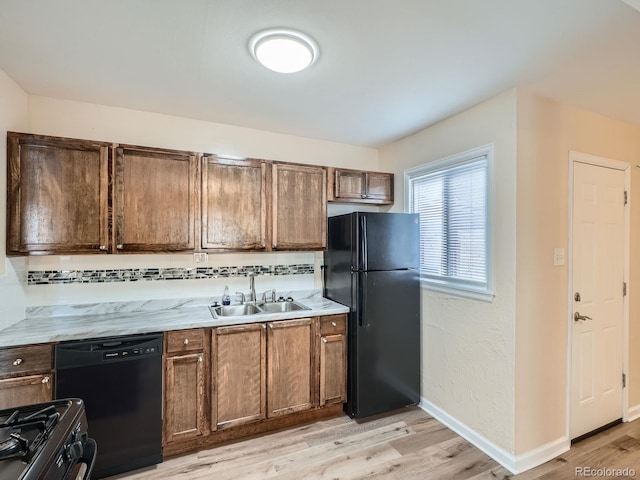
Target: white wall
51	116
547	131
13	116
468	346
56	117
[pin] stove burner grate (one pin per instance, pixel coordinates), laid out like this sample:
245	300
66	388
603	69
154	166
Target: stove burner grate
22	436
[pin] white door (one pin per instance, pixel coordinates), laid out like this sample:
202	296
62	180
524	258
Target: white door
598	275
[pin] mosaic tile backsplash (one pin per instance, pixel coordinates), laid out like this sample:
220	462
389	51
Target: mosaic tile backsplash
51	277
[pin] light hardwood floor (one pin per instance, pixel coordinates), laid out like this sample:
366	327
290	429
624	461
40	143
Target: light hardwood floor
406	445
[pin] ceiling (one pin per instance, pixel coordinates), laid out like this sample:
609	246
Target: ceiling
387	68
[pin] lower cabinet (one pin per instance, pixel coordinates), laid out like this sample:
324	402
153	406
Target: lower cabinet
184	390
289	367
238	375
229	382
27	375
333	359
25	390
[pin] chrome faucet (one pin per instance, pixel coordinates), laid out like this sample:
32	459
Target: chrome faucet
252	286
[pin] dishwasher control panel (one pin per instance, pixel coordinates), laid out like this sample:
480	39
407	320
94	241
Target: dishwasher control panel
130	352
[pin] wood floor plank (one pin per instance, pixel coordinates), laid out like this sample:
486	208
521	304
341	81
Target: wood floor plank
406	445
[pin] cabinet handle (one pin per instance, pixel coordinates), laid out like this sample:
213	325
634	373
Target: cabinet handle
200	359
334	324
119	246
103	247
17	362
324	339
45	380
186	341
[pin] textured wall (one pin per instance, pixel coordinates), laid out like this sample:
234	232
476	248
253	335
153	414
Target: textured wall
468	345
547	131
13	116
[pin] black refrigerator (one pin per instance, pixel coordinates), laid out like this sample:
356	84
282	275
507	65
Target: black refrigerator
371	266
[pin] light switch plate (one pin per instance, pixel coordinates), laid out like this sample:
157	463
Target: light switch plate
558	256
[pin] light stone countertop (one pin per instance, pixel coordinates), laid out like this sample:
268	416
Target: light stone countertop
76	322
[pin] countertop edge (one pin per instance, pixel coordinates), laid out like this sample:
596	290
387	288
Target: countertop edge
42	330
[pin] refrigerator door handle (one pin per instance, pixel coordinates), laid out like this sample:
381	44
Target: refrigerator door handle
364	261
363	298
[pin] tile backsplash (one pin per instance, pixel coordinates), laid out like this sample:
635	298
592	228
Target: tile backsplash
52	277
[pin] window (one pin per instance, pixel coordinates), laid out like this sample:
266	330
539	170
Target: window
451	197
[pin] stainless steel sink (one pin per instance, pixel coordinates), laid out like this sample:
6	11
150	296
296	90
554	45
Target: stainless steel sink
235	310
278	307
221	311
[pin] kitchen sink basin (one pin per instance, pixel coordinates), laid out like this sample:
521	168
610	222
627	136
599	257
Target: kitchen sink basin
222	311
235	310
277	307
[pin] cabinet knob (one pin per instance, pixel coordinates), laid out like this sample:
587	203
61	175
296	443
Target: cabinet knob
45	380
334	324
324	340
119	246
17	362
200	359
363	195
103	247
186	341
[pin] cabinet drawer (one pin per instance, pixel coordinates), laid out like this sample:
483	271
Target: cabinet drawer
185	341
23	360
333	324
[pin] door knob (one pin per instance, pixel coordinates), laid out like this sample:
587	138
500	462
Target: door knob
577	317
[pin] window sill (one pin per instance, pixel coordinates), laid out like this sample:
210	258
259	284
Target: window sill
480	295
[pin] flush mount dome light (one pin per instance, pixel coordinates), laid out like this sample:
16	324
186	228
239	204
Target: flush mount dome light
284	51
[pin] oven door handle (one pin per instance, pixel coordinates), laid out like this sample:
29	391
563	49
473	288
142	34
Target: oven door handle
89	450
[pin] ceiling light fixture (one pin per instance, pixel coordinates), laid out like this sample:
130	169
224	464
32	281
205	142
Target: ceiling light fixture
283	50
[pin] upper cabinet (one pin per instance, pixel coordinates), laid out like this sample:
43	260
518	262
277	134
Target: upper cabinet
234	204
299	207
76	196
57	195
155	200
356	186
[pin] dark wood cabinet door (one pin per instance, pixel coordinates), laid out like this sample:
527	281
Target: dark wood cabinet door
333	369
238	375
349	184
289	367
184	397
234	204
155	200
25	390
379	187
57	195
357	186
299	207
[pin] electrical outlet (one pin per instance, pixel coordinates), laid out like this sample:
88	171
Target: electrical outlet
200	258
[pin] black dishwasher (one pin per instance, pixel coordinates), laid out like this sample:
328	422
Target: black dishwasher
120	381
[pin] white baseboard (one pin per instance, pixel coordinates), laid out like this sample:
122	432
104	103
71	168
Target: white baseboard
515	464
633	413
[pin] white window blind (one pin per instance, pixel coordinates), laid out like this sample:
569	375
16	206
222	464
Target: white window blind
451	198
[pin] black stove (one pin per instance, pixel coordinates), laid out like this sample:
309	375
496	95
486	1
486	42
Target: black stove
47	441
